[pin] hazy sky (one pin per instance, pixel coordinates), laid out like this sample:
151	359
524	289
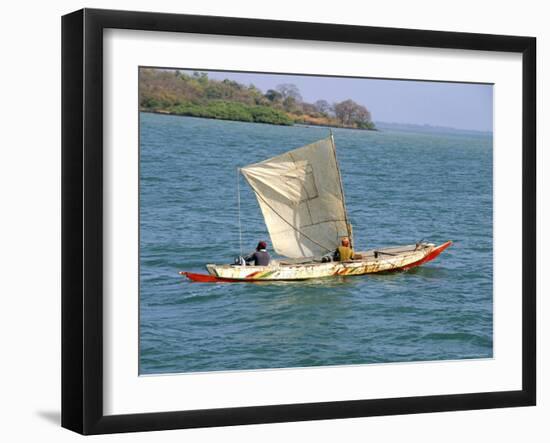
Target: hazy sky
457	105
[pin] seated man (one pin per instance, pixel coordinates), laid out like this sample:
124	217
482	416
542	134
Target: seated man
343	252
260	257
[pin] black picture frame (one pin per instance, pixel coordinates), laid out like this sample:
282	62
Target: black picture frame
82	218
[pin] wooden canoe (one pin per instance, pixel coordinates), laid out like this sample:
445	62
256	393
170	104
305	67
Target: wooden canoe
398	258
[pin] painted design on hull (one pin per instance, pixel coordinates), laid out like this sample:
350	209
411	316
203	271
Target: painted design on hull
401	259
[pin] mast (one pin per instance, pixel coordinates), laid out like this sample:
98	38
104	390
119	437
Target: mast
348	224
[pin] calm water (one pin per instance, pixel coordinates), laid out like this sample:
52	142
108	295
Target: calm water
400	187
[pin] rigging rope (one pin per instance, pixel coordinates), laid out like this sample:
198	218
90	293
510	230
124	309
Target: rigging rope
239	210
288	223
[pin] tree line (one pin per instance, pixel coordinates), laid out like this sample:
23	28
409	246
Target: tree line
176	92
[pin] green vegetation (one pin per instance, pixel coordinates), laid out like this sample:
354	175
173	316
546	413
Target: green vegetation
225	110
174	92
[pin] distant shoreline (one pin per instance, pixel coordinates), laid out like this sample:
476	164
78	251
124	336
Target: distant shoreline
432	129
381	126
305	124
174	92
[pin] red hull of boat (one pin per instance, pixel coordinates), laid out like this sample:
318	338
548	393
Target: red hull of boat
429	257
206	278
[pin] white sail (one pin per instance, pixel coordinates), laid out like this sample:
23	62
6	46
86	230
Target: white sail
300	195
